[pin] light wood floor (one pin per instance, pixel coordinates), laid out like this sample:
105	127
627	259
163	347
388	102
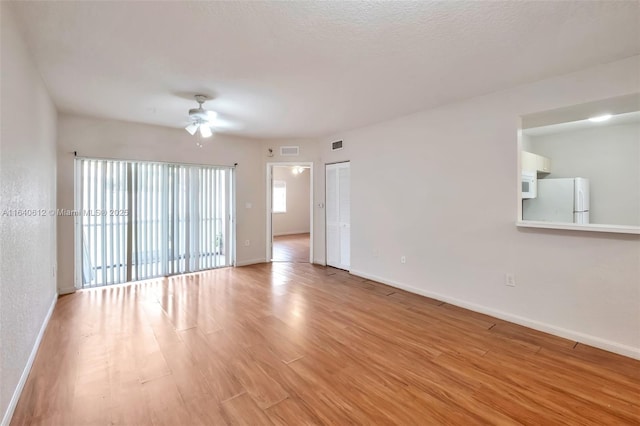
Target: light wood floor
291	248
294	344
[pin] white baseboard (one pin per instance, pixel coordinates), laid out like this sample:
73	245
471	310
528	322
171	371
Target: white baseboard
27	368
251	262
281	234
586	339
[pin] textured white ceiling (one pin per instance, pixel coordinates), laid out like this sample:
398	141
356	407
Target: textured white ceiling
297	69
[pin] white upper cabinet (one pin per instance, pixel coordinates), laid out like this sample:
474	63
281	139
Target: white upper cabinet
534	162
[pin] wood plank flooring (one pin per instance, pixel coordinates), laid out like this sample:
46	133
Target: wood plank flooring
299	344
291	248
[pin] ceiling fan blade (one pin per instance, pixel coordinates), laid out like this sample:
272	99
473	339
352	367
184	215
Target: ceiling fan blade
192	128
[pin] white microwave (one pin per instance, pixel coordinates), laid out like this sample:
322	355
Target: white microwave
529	185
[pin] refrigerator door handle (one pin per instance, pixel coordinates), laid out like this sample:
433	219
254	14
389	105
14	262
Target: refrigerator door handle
581	199
582	194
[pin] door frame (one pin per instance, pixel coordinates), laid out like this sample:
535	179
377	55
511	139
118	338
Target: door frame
270	166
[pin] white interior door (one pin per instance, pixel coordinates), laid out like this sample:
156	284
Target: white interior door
338	208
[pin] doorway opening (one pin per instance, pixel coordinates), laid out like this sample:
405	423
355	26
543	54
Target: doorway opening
290	212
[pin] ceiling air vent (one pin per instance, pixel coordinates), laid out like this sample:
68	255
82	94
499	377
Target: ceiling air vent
336	145
289	151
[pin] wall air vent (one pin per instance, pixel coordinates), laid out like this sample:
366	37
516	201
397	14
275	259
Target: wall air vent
336	145
289	151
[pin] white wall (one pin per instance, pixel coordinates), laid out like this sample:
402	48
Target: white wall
27	244
116	139
296	219
609	156
526	142
439	187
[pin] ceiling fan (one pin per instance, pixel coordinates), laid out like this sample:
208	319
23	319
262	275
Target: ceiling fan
201	119
296	170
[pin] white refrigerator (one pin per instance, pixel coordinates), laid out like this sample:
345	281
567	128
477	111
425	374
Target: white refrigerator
559	200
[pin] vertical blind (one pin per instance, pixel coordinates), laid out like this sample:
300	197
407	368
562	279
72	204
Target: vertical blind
139	220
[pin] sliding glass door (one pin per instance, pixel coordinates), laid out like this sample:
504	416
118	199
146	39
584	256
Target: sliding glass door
139	220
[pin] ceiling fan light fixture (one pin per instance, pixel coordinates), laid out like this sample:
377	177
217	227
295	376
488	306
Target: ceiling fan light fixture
201	119
205	130
192	128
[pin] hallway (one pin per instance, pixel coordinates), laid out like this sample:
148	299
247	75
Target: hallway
291	248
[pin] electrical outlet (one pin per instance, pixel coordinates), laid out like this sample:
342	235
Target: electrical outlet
247	243
510	280
375	253
403	259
